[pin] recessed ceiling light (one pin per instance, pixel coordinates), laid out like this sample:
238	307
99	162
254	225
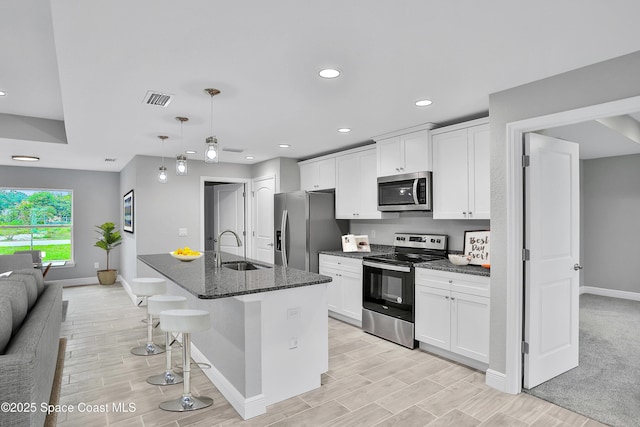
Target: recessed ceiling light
249	157
3	93
26	158
344	130
424	103
190	152
284	146
329	73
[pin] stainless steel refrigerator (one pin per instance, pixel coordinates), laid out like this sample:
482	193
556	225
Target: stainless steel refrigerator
304	224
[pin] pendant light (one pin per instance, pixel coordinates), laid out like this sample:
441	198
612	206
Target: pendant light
162	170
181	159
212	153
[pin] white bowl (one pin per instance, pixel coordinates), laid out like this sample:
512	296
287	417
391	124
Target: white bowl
459	259
185	257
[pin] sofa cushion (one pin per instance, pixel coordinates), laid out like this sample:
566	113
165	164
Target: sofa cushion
15	262
6	322
30	283
16	291
36	273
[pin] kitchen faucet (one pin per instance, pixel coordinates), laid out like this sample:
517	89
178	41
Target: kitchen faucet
218	254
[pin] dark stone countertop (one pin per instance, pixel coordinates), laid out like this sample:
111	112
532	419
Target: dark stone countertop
205	281
375	250
446	265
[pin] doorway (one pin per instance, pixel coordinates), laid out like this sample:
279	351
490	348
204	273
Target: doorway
225	207
516	220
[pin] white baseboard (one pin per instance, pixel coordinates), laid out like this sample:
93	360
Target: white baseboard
127	288
635	296
246	407
497	380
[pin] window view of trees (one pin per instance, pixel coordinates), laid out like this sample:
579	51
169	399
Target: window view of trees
36	220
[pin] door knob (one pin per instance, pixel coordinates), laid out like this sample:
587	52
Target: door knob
577	267
269	244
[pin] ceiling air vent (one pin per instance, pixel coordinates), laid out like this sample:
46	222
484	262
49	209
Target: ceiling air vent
157	98
110	159
233	150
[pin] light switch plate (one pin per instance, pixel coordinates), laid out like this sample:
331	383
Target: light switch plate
182	232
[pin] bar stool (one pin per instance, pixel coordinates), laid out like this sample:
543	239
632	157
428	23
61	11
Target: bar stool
147	287
185	321
155	305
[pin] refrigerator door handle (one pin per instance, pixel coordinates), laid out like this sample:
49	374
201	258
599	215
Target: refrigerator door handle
283	238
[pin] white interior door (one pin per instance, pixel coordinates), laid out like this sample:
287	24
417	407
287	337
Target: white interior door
228	200
264	189
552	236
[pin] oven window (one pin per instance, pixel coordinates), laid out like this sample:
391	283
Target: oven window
395	193
388	292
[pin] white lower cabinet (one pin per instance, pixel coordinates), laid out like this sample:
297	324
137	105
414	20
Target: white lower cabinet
344	293
452	312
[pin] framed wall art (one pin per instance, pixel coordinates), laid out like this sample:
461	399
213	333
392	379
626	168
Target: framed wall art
476	245
127	203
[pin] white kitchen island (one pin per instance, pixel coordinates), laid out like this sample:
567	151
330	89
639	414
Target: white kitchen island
268	339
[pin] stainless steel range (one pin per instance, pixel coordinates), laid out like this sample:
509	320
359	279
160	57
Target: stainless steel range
389	287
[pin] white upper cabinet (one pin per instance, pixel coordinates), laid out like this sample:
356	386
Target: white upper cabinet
461	187
318	174
357	186
403	153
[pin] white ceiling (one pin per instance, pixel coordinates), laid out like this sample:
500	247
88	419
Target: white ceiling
90	63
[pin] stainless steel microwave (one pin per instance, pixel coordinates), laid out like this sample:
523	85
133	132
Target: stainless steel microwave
407	192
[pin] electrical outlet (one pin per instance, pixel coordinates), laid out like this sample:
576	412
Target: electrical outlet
182	232
96	265
373	234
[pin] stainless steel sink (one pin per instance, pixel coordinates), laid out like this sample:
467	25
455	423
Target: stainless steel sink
244	265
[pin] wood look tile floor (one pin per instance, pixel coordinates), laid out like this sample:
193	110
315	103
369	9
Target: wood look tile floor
370	382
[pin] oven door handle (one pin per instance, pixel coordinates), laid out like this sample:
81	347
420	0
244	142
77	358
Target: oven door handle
383	266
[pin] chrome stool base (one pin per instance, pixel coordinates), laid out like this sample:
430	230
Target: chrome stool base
148	350
187	403
168	378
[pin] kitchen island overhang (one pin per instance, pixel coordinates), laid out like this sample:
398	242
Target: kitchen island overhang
269	328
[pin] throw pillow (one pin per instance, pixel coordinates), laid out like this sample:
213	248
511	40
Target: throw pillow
36	274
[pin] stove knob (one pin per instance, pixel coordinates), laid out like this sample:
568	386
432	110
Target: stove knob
433	240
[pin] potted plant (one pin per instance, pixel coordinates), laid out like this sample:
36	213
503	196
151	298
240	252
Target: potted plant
109	239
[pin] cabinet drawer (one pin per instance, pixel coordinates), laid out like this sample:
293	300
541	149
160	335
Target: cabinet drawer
353	265
456	282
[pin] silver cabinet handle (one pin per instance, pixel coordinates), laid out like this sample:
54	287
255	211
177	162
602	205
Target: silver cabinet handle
446	297
450	281
453	298
577	267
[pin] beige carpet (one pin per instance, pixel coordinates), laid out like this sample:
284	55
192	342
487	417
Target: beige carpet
50	420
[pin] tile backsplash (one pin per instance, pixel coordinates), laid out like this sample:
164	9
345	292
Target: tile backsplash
381	231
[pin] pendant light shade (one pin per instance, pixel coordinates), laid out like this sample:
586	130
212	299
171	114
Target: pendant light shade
181	165
181	159
163	177
212	153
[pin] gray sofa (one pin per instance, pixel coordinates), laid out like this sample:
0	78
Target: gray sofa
30	320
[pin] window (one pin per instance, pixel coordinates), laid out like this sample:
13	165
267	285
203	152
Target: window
32	219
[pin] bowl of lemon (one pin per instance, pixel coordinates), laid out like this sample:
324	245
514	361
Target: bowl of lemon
185	254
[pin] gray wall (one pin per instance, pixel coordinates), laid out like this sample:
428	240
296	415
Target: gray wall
611	209
603	82
286	171
160	209
95	200
416	223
